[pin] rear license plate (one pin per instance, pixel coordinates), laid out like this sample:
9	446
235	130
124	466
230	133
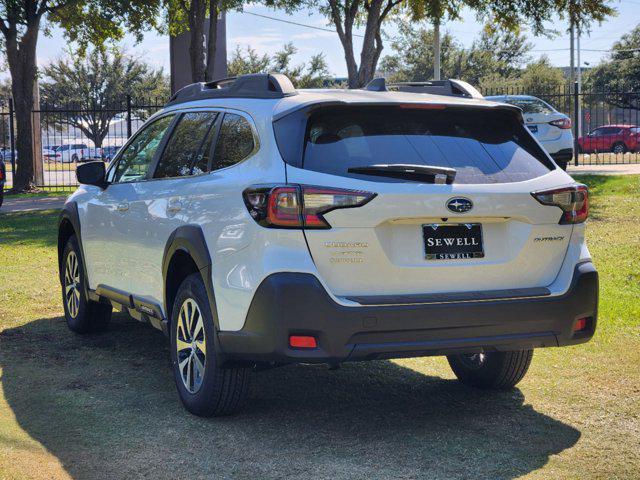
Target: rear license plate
533	128
446	241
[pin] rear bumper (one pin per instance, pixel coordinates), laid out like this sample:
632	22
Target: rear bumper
297	304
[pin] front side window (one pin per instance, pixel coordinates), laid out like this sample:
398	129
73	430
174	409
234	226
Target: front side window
184	153
136	158
235	141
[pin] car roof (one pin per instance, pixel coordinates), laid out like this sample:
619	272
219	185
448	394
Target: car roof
280	107
618	126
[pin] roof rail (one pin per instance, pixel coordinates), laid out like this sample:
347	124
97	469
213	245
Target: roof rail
451	87
254	85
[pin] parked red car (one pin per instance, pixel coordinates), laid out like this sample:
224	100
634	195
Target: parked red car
611	138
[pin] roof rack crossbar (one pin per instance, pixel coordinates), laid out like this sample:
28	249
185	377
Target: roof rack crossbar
255	85
450	87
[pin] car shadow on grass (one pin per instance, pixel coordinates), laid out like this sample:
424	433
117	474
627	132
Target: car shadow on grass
106	407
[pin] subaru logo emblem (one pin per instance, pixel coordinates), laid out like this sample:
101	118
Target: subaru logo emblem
459	205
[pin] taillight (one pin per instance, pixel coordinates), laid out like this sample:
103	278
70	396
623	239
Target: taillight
299	206
573	200
563	123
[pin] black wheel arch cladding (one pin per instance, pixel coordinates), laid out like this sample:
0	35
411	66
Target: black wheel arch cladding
188	240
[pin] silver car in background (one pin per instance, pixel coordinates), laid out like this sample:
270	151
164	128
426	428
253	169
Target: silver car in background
550	127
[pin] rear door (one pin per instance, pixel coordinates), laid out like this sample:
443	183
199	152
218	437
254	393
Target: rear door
484	231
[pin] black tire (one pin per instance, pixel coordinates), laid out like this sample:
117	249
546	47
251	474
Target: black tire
621	147
562	164
219	391
494	371
82	315
74	158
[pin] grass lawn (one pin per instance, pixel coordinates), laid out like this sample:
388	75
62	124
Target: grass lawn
104	406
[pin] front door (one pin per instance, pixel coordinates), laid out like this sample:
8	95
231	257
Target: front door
111	229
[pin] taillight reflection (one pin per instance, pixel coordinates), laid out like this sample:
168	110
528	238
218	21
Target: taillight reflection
299	206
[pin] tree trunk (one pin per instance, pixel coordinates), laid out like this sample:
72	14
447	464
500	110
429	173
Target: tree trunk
344	27
197	12
21	56
212	42
343	16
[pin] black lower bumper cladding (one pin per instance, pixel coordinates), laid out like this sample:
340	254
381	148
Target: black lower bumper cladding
288	304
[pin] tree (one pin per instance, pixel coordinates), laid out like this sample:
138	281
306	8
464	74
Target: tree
540	77
345	14
312	75
96	85
620	72
494	53
507	15
189	16
85	21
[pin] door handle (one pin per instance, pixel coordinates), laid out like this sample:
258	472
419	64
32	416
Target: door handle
174	205
123	207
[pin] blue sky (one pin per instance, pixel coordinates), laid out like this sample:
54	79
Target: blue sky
267	36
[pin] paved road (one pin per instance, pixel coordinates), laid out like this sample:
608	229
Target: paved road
30	204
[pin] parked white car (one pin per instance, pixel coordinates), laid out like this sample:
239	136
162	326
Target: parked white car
73	152
260	225
550	127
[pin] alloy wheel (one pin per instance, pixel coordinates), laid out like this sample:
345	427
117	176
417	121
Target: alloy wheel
618	149
72	284
191	345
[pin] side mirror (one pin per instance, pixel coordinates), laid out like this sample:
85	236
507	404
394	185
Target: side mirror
92	173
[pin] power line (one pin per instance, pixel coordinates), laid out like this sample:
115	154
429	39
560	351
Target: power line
298	24
324	29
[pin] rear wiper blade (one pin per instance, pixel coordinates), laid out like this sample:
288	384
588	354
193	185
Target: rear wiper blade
429	173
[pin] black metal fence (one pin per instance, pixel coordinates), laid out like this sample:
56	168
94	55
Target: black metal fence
71	134
606	128
7	138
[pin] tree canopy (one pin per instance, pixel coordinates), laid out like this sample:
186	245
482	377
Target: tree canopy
84	21
312	75
492	54
620	72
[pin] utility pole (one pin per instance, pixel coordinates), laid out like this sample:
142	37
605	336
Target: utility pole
436	49
572	66
579	77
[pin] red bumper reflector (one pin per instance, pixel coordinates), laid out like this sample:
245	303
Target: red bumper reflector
581	324
301	341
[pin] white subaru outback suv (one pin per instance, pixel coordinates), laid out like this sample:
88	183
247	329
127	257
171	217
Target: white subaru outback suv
259	225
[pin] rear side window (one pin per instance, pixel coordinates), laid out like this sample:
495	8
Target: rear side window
185	146
235	141
484	146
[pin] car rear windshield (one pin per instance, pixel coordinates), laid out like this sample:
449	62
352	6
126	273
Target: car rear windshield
529	105
482	145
